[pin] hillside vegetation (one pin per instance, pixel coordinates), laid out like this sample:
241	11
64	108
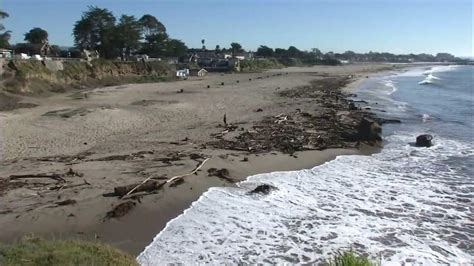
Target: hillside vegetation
29	76
259	65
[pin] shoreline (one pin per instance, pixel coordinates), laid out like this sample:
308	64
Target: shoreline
368	204
162	212
132	232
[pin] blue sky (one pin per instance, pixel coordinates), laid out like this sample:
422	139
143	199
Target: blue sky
398	26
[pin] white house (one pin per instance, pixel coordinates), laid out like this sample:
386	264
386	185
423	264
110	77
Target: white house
198	72
5	53
22	56
183	73
37	57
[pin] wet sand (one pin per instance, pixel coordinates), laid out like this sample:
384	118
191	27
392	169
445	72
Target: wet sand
153	130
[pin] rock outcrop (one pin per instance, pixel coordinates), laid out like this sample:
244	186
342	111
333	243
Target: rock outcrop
424	140
262	189
368	129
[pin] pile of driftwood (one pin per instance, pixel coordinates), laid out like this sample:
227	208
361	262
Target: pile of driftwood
146	187
41	182
286	133
298	131
65	158
150	185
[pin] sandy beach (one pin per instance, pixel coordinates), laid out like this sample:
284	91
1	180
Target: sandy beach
98	139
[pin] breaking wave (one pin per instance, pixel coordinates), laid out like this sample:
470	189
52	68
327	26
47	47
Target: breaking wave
437	69
430	78
425	71
401	205
426	117
391	85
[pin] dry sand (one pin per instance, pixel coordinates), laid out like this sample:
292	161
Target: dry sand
157	122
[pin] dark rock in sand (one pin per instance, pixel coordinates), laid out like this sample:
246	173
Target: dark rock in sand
424	140
195	156
148	186
67	113
388	121
121	210
262	189
368	129
352	106
359	101
221	173
66	202
177	182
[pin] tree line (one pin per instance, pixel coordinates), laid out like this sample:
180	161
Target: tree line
98	29
315	55
5	35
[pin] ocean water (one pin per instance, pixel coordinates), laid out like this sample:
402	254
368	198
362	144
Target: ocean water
403	205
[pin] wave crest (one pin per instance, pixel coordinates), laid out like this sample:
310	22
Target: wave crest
430	79
391	205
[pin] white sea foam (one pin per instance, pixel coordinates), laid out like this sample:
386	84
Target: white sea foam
424	71
382	95
426	117
430	78
391	85
401	205
437	69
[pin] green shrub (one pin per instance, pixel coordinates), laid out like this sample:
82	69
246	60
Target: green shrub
259	64
349	258
36	251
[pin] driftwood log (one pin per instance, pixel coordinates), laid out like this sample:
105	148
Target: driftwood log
148	186
52	176
61	187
